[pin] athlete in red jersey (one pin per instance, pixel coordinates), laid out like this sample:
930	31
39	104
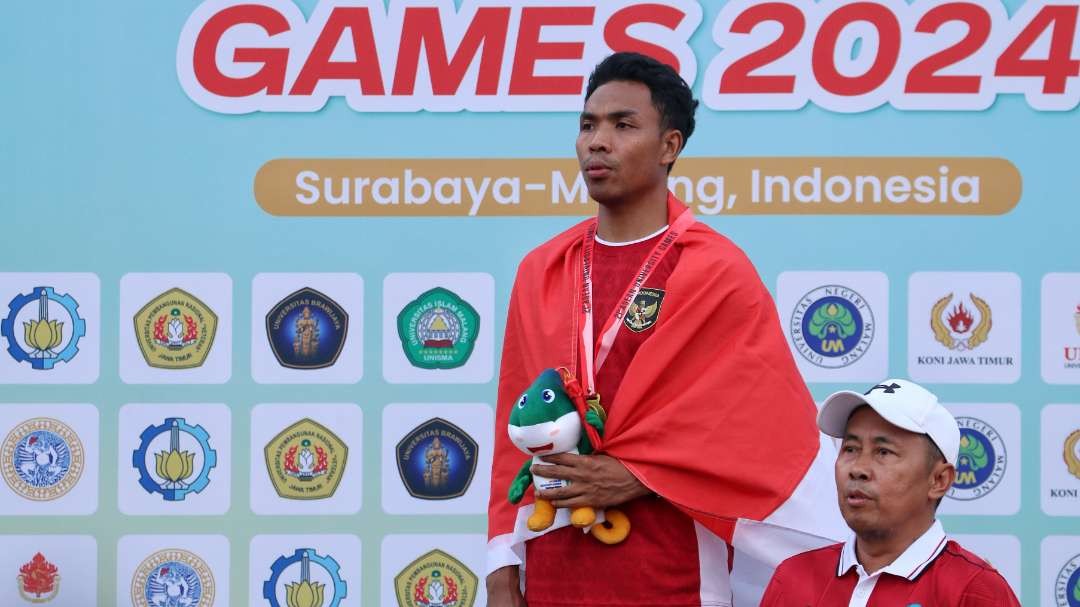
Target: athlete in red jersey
896	462
668	323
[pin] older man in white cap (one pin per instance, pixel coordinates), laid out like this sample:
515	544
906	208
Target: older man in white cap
896	461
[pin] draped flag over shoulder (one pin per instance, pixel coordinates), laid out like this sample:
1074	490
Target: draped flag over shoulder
711	414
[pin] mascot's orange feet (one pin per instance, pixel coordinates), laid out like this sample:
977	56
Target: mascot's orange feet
614	529
582	517
542	517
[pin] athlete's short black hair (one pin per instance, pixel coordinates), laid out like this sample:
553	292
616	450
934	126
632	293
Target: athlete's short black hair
670	94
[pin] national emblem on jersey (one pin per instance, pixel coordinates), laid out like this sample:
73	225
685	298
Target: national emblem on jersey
982	460
42	459
436	460
38	580
438	330
305	579
435	580
961	327
43	328
172	578
832	326
307	330
174	459
644	311
305	461
175	330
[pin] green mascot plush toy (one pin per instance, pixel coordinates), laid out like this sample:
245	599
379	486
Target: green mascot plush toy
546	420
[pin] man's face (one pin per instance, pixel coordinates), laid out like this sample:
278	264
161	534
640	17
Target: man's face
620	146
884	477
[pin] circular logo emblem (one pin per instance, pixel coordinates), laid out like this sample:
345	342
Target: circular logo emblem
438	330
832	326
1067	585
43	328
981	462
42	459
306	461
175	330
172	578
1071	453
307	330
305	579
174	459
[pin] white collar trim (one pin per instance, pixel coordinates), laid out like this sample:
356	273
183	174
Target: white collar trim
630	242
909	564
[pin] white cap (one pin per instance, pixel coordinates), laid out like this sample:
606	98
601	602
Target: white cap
902	403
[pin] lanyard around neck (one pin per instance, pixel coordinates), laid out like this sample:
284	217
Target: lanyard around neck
592	356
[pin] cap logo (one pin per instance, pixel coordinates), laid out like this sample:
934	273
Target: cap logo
889	389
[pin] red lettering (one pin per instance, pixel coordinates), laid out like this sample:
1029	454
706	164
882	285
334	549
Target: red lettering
738	78
888	51
1058	66
617	35
523	80
365	69
924	77
423	26
269	78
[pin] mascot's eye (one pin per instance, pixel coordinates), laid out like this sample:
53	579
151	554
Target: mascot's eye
548	396
521	402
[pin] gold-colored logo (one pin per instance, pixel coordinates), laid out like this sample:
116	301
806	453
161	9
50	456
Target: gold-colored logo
305	461
175	330
1072	454
957	328
435	579
172	577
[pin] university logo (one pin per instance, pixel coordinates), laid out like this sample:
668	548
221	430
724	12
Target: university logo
305	461
1067	585
961	327
644	311
39	580
42	459
1072	353
981	462
438	330
174	459
1072	453
436	460
307	579
832	326
172	578
175	330
435	580
307	330
46	333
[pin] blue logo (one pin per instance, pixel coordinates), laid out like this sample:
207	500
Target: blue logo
182	459
42	459
1067	584
437	460
307	330
305	578
173	578
832	326
982	460
44	334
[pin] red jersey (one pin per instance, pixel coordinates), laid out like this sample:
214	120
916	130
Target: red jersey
690	388
932	571
562	565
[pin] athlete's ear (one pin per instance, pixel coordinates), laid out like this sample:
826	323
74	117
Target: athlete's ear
671	143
